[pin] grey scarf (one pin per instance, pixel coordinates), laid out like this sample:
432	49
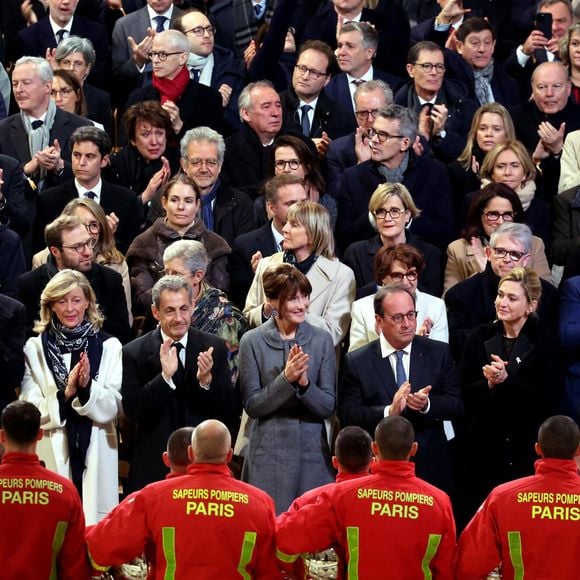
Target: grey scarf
483	78
395	175
39	139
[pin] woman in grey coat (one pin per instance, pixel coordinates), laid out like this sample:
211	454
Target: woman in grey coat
287	375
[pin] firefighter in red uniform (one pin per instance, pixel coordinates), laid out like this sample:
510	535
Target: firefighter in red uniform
390	518
205	524
176	456
43	526
531	525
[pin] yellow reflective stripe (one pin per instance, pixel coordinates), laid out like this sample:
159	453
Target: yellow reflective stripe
432	547
57	542
168	535
515	545
352	538
246	556
287	558
96	566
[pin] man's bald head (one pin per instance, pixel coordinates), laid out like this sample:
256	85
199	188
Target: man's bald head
211	442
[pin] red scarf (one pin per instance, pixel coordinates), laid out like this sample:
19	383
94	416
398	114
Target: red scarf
172	89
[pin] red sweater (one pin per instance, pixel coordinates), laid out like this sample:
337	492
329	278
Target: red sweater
202	525
388	521
42	523
531	525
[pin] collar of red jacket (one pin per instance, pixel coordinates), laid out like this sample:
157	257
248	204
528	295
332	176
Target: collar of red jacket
15	457
198	468
393	468
566	467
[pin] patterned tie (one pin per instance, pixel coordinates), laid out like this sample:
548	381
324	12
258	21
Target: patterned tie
304	120
258	11
37	124
160	22
90	194
60	35
400	369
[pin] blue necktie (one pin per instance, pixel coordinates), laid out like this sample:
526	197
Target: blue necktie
160	22
305	122
60	35
90	194
258	11
400	369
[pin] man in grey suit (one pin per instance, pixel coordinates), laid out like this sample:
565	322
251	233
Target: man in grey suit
133	40
404	374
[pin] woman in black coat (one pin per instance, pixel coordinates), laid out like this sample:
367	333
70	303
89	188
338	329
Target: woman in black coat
511	379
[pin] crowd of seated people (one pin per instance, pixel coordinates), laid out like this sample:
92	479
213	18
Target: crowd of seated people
290	217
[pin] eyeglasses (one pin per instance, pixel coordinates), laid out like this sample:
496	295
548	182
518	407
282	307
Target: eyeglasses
394	213
382	136
63	92
364	115
78	248
398	318
315	74
514	255
201	30
292	163
93	227
429	66
195	162
493	216
397	277
161	54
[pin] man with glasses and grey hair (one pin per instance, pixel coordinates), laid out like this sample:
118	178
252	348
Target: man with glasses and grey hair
471	302
402	373
71	246
393	160
224	210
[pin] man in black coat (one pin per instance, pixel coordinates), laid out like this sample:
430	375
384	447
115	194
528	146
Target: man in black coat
188	103
90	155
174	376
71	246
281	192
392	160
307	108
404	374
225	210
60	24
444	112
13	209
472	301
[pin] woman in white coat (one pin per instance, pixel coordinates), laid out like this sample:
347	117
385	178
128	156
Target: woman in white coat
309	245
73	375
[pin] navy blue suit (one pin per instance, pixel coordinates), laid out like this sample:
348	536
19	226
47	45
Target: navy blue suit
12	338
570	340
340	155
34	40
368	385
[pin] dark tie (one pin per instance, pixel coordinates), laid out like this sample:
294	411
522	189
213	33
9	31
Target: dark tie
194	74
305	121
90	194
401	376
357	82
60	35
179	376
160	22
37	124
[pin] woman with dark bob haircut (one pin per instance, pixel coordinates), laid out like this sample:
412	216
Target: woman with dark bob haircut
287	376
491	206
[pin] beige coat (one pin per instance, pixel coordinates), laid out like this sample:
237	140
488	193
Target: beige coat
462	264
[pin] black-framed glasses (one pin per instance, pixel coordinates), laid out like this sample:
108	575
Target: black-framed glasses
78	248
93	227
382	136
161	54
398	318
493	216
201	30
364	115
315	74
397	277
429	66
64	92
292	163
514	255
394	213
195	162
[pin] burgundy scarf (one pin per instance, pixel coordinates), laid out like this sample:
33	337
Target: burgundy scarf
172	89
